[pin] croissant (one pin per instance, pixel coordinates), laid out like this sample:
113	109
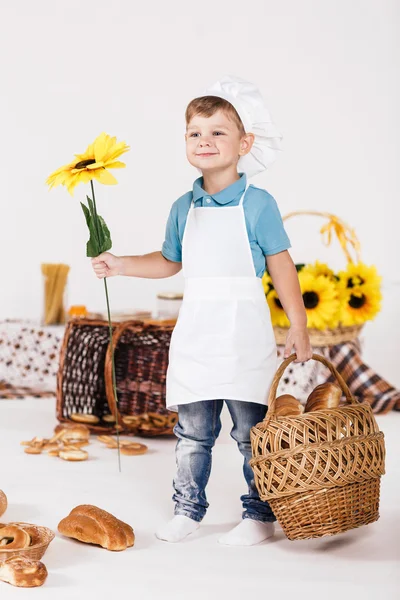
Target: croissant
23	572
93	525
3	503
287	405
326	395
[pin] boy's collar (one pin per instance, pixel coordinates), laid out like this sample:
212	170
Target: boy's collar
226	195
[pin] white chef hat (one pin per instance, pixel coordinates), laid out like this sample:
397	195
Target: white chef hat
250	106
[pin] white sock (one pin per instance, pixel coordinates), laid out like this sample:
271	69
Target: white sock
177	529
248	533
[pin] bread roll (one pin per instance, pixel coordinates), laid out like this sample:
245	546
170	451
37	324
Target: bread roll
23	572
287	405
3	503
326	395
93	525
61	427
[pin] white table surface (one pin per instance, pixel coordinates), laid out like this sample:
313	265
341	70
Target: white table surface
361	564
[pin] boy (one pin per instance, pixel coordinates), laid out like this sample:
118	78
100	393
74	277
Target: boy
222	234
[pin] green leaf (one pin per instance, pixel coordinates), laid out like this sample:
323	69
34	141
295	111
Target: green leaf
105	243
99	239
300	266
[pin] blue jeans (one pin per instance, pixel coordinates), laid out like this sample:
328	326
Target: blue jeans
197	429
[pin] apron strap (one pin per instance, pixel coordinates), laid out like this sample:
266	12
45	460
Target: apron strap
242	198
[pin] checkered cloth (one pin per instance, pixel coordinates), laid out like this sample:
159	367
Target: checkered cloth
364	383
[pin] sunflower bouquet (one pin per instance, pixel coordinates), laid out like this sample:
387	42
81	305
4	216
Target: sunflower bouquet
337	304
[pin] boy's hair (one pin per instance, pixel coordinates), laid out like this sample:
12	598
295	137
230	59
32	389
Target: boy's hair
206	106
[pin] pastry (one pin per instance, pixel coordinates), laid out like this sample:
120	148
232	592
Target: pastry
13	537
73	455
84	418
61	427
3	503
93	525
23	572
287	405
326	395
53	452
33	450
108	418
133	449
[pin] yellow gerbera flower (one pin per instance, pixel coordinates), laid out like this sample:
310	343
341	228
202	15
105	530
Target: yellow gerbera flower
267	283
92	164
320	299
359	304
358	274
278	315
317	269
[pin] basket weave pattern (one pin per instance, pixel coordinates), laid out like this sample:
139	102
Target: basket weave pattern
322	337
311	468
41	538
84	383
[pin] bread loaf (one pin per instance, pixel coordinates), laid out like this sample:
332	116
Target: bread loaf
93	525
287	405
23	572
326	395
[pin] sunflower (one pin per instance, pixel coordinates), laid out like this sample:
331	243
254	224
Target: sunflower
92	164
267	283
359	304
358	274
318	268
320	300
278	315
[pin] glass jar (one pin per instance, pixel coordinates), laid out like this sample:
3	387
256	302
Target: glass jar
168	305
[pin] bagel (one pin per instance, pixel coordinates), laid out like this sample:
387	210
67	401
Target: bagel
108	418
14	538
73	455
133	449
84	418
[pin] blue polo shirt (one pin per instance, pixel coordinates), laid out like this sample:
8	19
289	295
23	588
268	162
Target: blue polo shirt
264	224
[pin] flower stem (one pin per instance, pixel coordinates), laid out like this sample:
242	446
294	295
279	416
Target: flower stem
111	334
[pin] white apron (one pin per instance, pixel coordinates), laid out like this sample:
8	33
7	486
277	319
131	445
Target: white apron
223	344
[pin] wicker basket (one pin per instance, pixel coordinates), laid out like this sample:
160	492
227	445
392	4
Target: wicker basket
84	381
320	471
322	337
41	538
346	237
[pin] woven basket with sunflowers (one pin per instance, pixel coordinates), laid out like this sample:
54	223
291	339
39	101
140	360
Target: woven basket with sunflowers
337	304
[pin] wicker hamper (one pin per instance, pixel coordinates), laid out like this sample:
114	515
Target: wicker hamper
320	471
346	237
84	382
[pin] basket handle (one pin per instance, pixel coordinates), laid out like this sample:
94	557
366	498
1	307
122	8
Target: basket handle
133	325
290	359
345	234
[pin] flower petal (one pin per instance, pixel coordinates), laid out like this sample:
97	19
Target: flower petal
105	177
115	165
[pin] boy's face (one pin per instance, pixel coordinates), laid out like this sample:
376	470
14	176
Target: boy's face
214	143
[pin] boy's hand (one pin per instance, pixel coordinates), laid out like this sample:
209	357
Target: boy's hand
106	265
299	338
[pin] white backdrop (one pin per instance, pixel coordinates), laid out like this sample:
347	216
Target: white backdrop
69	70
